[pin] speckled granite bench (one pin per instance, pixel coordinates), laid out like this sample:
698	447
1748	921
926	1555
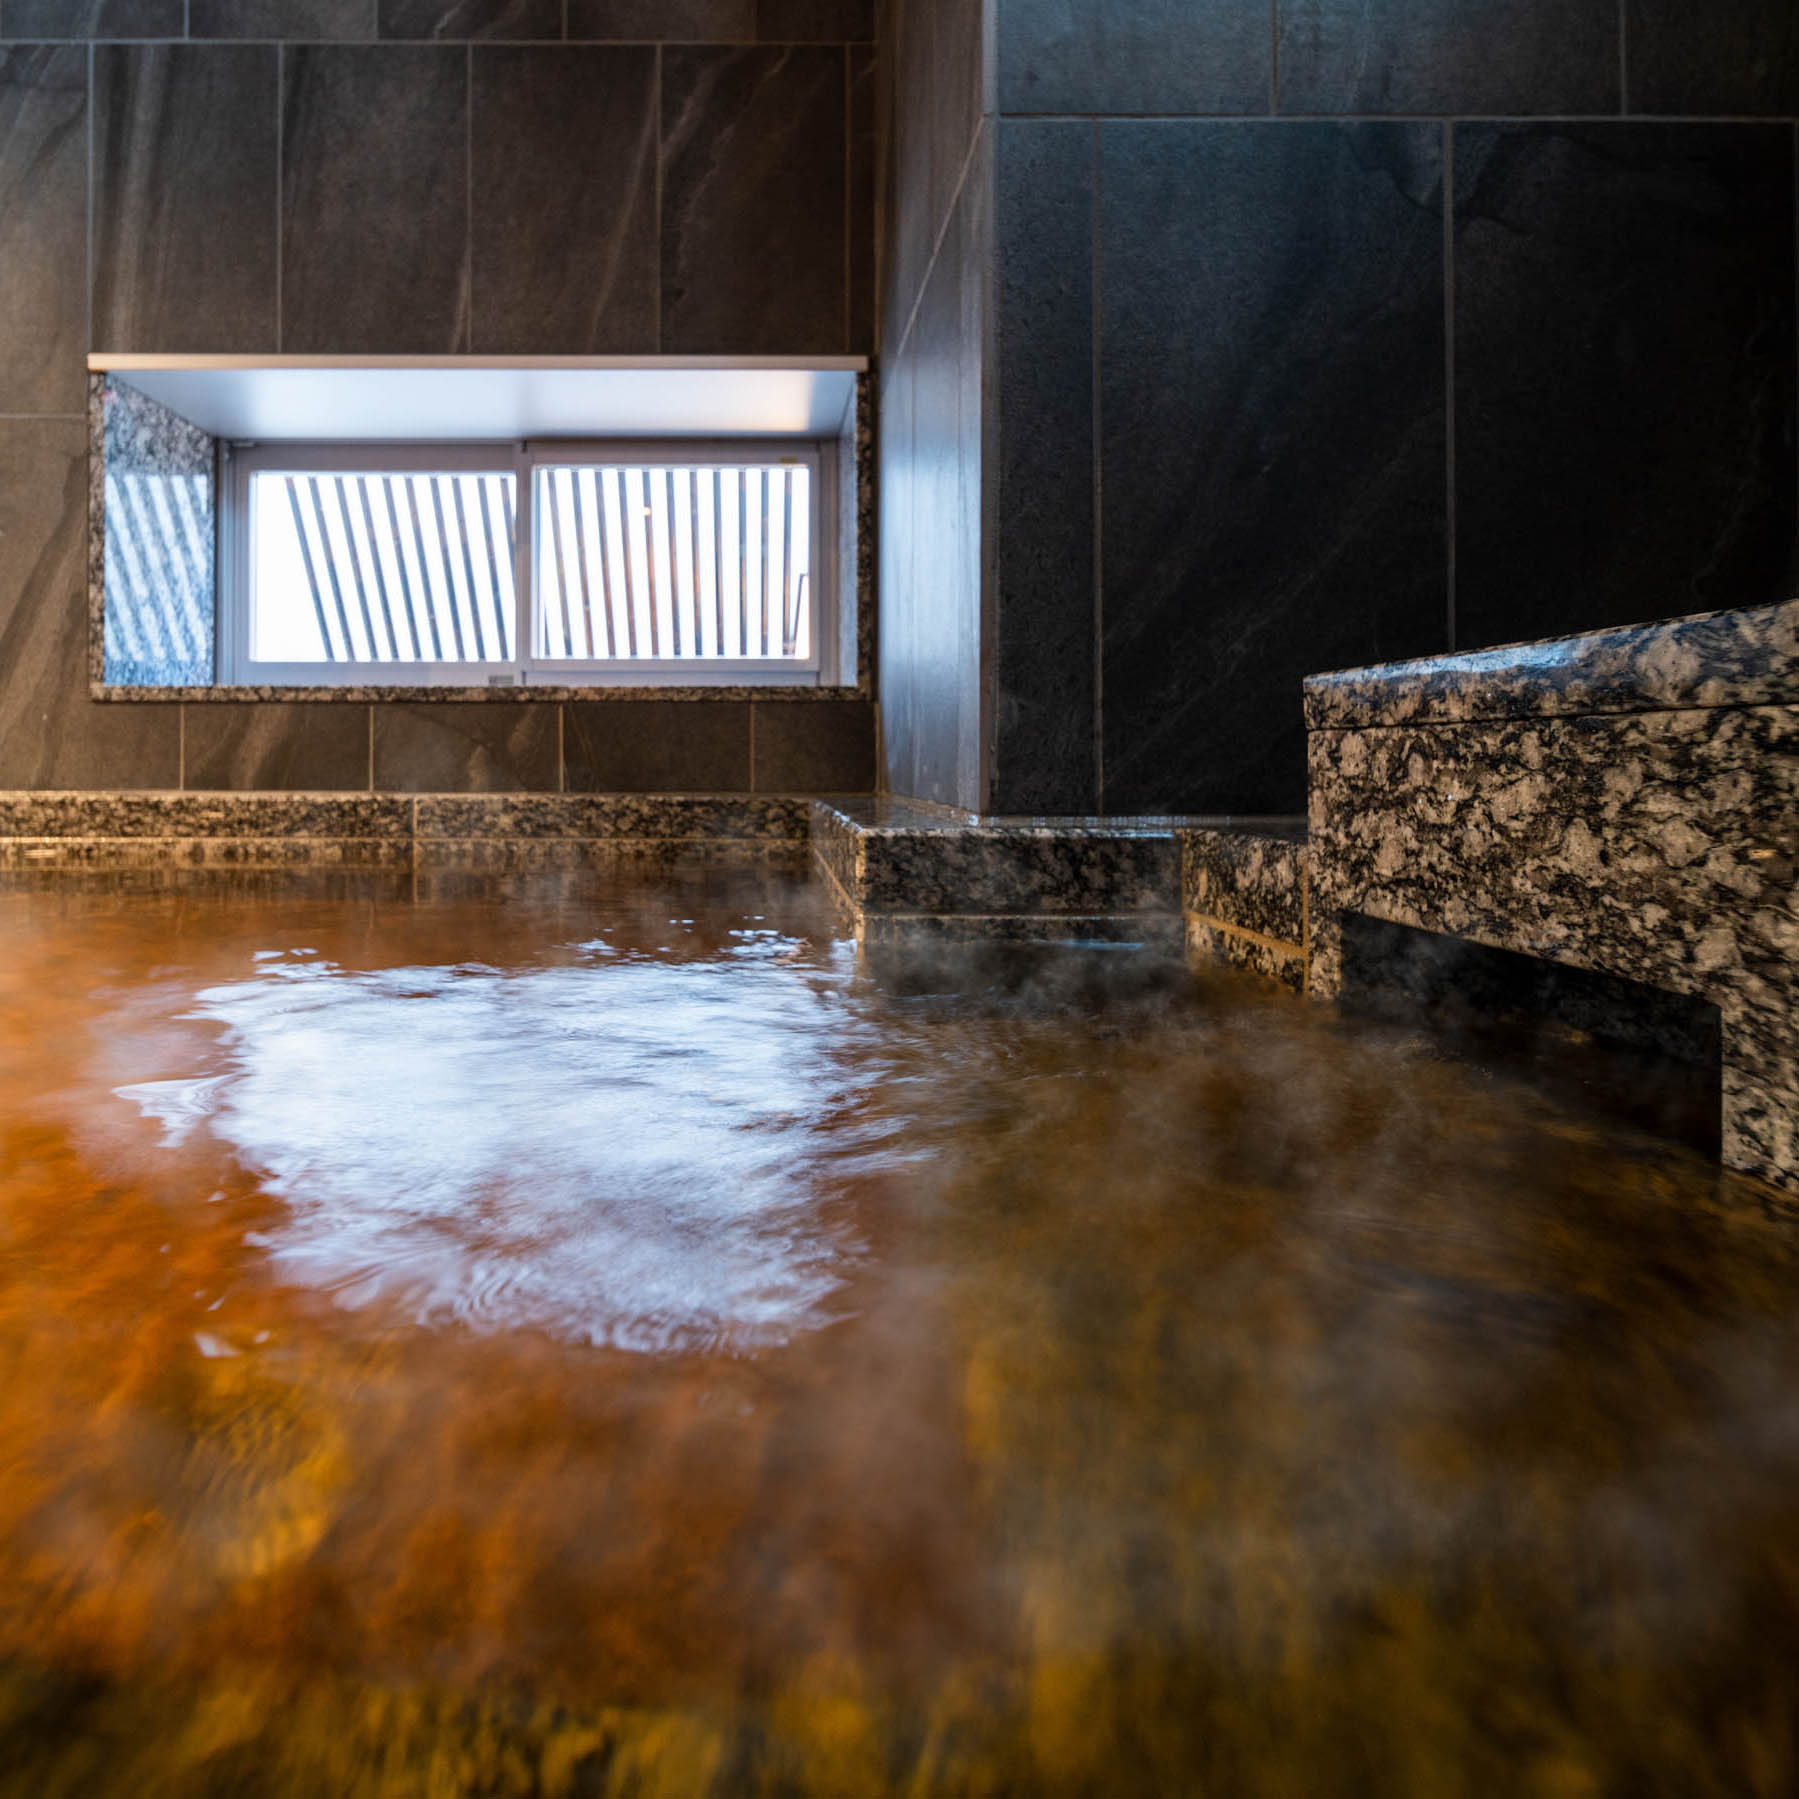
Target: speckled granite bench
1625	802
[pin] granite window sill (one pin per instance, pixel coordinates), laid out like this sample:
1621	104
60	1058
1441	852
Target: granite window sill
412	695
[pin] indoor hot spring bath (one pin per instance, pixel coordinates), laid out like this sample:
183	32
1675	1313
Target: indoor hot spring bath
606	1336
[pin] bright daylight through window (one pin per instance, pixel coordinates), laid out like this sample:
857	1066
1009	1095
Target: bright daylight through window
496	565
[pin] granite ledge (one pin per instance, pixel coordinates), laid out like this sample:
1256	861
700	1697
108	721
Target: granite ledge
167	815
1707	660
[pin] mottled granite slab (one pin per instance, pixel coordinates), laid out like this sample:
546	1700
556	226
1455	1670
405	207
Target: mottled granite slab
1746	658
837	851
1243	895
1253	880
860	554
1657	845
612	815
1040	870
151	591
204	815
904	872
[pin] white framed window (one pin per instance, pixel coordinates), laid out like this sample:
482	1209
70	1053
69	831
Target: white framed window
537	563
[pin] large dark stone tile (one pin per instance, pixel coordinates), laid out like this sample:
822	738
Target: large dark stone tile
936	99
470	19
1727	56
814	746
815	21
1624	374
564	232
185	197
276	745
51	19
331	21
664	21
1437	56
930	510
656	746
1045	751
467	746
753	245
51	733
43	228
1113	56
375	200
1272	441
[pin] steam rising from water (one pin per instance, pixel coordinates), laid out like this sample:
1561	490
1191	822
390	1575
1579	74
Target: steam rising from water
622	1152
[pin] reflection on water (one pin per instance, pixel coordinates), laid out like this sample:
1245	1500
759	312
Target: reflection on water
620	1150
602	1340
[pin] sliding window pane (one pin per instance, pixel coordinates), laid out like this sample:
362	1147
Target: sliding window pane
375	566
702	563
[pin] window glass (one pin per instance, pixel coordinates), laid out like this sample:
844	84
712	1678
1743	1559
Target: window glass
674	562
359	566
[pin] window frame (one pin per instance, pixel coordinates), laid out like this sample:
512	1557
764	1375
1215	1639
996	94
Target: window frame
233	666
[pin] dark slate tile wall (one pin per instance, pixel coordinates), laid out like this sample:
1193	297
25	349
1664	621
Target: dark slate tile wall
754	190
1045	677
1440	56
275	746
185	156
374	199
1519	362
1725	57
564	178
267	176
479	746
1272	441
51	733
937	256
658	746
678	174
1134	56
1625	373
43	227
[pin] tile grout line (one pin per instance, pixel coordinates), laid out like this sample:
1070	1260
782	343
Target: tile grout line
1449	462
1099	497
